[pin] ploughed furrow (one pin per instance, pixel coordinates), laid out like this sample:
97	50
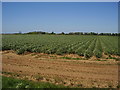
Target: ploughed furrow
74	48
98	49
89	51
113	44
107	47
66	48
81	50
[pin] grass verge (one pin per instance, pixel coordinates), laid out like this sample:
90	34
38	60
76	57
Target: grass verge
9	82
71	58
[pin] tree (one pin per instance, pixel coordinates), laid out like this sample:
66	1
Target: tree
62	33
52	33
20	32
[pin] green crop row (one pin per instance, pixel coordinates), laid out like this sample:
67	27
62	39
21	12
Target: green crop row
83	45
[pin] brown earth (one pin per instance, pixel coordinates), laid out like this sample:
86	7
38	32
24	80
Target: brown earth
50	68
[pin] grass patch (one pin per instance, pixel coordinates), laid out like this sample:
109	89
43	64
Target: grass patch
101	60
8	82
70	58
33	54
117	59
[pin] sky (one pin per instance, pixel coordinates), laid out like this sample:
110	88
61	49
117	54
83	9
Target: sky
0	17
60	17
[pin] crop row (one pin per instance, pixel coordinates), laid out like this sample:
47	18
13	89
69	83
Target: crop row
87	46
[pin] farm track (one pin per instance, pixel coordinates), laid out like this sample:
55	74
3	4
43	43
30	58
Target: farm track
83	73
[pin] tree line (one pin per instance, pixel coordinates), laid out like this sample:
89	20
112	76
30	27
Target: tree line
75	33
70	33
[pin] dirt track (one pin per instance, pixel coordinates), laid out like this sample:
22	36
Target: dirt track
82	73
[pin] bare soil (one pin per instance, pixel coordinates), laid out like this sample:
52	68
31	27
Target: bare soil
50	68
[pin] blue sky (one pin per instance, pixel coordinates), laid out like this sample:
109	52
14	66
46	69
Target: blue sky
60	17
0	17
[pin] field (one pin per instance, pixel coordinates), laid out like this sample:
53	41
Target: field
86	46
80	61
